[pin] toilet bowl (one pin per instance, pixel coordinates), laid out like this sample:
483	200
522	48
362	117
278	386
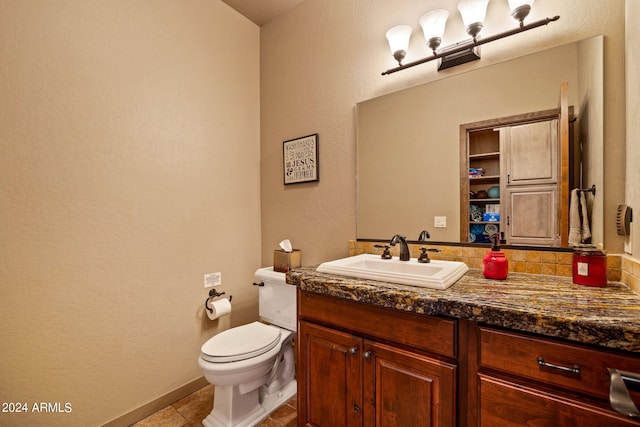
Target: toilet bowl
252	366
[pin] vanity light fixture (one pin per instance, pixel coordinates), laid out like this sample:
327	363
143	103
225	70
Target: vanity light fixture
473	13
398	38
433	24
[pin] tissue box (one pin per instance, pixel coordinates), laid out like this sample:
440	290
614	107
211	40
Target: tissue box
285	261
491	217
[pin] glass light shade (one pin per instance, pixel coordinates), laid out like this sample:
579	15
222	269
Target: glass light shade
398	38
433	24
473	13
520	8
514	4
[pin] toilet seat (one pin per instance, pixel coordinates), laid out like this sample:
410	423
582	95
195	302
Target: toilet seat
241	343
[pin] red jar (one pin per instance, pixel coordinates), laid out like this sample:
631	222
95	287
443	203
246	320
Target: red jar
590	267
496	265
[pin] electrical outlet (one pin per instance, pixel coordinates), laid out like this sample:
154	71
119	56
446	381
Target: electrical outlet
212	279
440	221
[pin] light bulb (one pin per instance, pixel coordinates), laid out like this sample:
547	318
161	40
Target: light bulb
473	13
398	38
520	9
433	24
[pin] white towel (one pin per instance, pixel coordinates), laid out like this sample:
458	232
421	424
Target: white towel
575	226
579	229
585	230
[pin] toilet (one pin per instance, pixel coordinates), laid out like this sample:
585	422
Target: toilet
252	366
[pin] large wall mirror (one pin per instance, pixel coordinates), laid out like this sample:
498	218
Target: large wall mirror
408	142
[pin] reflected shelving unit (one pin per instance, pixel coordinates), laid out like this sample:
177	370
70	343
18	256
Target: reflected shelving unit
483	167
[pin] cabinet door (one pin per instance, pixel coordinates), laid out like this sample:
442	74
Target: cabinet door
507	404
330	377
531	153
407	389
531	215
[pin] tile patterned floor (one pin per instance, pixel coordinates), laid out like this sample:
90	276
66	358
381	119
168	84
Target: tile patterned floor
190	411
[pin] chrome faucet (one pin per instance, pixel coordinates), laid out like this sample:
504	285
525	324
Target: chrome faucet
404	248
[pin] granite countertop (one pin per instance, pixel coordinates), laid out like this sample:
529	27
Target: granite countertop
546	305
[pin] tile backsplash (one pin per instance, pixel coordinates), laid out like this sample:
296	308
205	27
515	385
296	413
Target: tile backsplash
631	273
523	261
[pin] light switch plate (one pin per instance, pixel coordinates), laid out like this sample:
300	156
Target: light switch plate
440	221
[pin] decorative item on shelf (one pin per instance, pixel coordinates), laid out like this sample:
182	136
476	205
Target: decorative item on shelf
481	194
433	26
491	217
476	172
494	192
490	229
477	234
475	212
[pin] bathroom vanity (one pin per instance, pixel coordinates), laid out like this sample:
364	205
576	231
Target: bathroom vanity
532	350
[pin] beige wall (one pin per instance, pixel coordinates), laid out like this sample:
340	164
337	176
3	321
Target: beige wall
129	141
325	56
129	134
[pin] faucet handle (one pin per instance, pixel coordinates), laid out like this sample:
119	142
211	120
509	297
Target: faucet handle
385	254
424	235
424	258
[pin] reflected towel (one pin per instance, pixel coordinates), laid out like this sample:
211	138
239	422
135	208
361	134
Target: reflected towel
579	228
575	225
585	230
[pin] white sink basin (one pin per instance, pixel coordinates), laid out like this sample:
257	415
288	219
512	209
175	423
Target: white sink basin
435	275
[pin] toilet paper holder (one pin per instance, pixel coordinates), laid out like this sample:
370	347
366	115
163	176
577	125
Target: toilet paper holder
214	294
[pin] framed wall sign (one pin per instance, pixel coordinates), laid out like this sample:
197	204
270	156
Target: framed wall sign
300	159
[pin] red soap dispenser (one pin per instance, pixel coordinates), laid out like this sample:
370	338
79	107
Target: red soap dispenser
496	265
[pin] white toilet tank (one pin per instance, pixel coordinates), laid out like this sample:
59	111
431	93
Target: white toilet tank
276	299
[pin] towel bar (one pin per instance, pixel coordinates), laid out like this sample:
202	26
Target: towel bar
591	190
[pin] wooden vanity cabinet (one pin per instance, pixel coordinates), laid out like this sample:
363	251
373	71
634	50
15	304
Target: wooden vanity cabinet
330	377
362	365
525	380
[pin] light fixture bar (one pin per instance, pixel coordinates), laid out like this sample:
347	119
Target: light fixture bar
471	44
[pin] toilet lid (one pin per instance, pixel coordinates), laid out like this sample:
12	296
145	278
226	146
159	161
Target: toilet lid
241	342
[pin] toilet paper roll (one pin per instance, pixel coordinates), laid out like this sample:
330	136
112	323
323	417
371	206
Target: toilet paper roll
220	307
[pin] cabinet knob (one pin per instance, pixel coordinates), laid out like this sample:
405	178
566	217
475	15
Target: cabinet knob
367	355
356	408
353	350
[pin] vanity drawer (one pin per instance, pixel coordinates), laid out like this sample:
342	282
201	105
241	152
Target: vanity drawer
429	333
507	404
556	363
